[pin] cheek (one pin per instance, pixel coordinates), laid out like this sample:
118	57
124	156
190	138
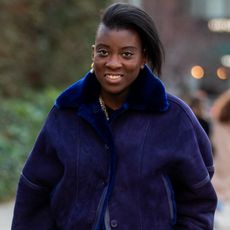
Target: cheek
134	68
98	67
137	63
98	63
132	75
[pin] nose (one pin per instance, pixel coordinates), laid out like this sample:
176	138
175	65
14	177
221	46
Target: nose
113	62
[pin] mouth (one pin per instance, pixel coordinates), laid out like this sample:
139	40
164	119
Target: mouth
113	76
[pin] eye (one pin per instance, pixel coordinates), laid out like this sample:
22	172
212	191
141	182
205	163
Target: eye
102	52
127	54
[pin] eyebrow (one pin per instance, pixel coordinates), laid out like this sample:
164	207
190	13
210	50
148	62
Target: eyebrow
125	47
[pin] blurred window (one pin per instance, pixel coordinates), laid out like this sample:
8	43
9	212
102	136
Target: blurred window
210	8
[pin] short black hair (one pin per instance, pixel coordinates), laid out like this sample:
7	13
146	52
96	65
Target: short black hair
127	16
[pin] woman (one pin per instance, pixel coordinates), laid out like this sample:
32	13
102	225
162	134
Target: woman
116	150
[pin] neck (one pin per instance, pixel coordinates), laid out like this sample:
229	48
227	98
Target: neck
113	101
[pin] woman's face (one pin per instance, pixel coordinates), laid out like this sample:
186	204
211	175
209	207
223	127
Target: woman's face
118	58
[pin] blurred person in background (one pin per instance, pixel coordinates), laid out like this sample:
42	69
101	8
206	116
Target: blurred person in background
116	150
196	104
220	113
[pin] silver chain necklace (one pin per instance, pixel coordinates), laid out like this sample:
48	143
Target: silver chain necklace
103	107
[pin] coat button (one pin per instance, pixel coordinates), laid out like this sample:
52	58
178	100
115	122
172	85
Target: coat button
104	183
113	223
106	147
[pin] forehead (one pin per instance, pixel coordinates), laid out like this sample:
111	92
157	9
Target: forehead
122	36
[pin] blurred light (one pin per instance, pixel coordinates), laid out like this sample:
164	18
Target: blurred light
219	25
225	60
197	72
221	73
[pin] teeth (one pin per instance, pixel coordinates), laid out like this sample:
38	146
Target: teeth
113	76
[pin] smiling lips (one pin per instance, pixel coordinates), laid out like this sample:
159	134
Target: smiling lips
113	76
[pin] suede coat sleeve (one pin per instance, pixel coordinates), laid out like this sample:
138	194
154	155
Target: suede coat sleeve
195	202
40	174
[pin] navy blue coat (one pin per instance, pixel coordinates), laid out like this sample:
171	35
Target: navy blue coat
148	168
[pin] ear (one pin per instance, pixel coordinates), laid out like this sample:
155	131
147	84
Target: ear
93	49
144	59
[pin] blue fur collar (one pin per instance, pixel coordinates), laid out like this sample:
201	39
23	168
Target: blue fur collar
147	92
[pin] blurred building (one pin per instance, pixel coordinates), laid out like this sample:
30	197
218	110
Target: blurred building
196	36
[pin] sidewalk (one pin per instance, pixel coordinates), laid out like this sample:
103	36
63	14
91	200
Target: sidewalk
6	214
222	221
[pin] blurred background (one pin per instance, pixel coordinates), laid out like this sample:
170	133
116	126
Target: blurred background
46	45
